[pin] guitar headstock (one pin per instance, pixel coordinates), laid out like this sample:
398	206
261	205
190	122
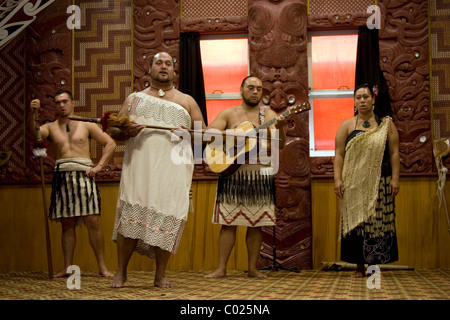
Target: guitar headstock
305	106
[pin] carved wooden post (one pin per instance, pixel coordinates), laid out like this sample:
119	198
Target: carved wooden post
48	47
278	56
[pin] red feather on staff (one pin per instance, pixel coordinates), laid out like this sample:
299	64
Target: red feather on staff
108	120
104	120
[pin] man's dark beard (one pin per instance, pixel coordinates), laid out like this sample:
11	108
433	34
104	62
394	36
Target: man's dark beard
156	78
250	103
164	80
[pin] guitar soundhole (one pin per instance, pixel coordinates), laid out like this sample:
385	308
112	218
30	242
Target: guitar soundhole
234	146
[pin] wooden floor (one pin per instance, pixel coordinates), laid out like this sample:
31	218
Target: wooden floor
282	293
190	285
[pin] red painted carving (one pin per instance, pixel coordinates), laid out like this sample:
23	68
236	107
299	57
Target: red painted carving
404	61
49	65
337	20
278	56
214	24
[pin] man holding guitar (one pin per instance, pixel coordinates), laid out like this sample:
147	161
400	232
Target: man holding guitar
247	197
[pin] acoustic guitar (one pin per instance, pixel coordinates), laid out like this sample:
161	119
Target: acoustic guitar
225	156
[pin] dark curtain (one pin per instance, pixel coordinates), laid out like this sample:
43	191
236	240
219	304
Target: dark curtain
191	70
368	69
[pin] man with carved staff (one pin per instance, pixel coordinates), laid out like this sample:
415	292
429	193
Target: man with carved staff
153	202
247	197
366	179
75	196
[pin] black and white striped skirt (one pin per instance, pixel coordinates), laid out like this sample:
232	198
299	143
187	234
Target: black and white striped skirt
73	193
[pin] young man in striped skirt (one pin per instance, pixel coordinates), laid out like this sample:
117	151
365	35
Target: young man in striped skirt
75	197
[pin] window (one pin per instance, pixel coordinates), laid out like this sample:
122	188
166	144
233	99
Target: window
331	64
225	65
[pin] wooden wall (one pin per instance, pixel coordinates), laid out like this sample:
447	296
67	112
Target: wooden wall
423	234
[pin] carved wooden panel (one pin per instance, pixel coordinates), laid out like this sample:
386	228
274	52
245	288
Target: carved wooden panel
15	16
332	21
404	60
103	81
278	56
48	64
214	8
327	7
440	61
12	96
214	24
214	16
49	67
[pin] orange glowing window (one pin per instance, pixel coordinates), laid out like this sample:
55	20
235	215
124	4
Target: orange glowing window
214	107
328	116
333	61
332	80
225	65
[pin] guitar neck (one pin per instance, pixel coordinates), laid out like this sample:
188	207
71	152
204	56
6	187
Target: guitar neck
271	121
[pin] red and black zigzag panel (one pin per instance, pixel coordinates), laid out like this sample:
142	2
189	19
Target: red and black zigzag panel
12	96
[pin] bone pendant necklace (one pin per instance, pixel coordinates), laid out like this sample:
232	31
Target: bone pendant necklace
162	92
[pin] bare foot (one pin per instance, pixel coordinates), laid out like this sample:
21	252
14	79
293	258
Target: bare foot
118	281
360	271
106	273
358	274
256	274
216	274
62	274
163	283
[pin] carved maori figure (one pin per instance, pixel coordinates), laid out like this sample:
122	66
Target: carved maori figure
278	56
404	61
